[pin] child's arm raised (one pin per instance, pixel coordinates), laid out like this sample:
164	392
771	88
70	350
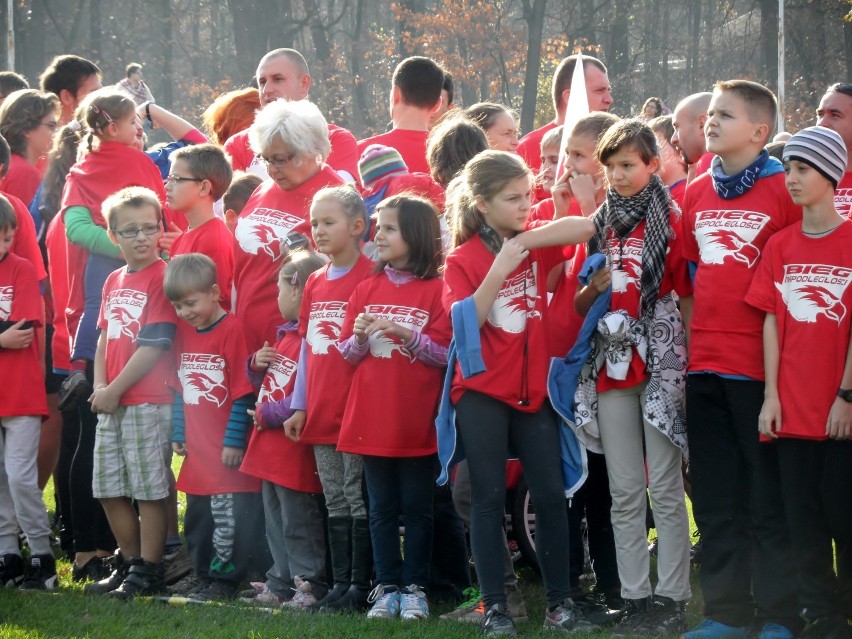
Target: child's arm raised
567	230
769	421
839	424
507	260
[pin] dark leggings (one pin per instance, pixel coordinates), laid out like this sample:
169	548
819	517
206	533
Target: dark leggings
488	428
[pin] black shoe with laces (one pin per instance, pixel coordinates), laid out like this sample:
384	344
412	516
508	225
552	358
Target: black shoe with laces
73	388
41	573
665	617
633	613
93	570
592	614
11	571
498	621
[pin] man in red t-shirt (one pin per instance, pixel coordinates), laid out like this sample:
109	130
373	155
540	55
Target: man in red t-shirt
71	78
835	113
283	74
597	89
688	120
415	96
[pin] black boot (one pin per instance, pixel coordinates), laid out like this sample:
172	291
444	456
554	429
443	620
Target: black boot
119	572
145	578
355	598
340	547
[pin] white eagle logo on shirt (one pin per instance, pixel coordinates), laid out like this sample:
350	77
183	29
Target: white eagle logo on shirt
811	290
516	302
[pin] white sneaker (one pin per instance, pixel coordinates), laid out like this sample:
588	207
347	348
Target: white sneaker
303	596
413	603
385	602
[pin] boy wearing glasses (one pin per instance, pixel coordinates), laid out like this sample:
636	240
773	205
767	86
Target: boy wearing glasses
200	176
835	113
133	404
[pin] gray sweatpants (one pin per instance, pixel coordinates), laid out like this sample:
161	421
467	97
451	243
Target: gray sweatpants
341	475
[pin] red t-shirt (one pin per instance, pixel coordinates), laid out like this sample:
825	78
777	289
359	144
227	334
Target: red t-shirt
214	240
21	180
23	381
515	323
805	281
343	156
211	374
529	147
132	301
411	145
57	249
726	238
626	261
843	195
402	424
678	192
324	303
269	215
270	454
25	242
703	164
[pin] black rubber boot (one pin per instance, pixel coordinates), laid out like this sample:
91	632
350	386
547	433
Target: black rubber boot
355	599
340	547
144	578
119	573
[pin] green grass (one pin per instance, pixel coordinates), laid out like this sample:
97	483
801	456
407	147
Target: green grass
68	613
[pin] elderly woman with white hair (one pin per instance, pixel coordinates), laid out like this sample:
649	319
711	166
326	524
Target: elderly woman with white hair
291	138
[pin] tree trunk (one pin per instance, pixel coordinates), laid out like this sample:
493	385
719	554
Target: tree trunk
95	31
694	45
322	48
166	69
534	15
769	42
360	106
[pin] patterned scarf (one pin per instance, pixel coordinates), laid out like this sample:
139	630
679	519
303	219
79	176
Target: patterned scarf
731	186
623	215
490	238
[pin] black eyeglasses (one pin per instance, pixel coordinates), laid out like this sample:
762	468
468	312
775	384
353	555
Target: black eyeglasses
180	178
130	234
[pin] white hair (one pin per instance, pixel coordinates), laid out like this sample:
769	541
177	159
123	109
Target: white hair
298	123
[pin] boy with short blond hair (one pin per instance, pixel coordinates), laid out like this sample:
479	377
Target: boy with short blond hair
729	214
211	424
200	175
23	406
132	452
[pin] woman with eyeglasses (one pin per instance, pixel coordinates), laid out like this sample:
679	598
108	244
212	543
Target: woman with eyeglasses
28	121
291	138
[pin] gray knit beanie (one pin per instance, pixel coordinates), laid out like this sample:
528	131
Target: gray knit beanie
821	148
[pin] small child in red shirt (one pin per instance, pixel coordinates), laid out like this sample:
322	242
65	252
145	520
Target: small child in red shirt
132	451
210	427
23	406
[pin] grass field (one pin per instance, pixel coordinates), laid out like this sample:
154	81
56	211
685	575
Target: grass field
67	613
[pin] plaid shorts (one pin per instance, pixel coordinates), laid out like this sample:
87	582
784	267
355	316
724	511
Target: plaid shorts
132	453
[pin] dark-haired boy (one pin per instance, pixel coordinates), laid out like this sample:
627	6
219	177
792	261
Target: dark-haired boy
200	175
729	214
415	97
71	78
802	284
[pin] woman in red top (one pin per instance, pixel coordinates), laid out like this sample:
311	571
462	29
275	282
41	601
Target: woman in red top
500	274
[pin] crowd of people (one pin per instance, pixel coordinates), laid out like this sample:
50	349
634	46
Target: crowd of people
340	335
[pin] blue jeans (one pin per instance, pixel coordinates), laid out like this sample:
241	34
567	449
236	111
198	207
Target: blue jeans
401	486
98	268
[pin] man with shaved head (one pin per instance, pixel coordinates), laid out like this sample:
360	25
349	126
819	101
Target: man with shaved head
688	120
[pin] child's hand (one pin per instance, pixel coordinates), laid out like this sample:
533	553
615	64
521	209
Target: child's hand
584	187
769	420
601	279
381	327
839	424
509	257
263	357
179	448
17	337
167	238
561	194
232	457
362	323
104	400
294	426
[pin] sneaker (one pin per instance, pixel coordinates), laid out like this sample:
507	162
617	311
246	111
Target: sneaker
413	604
303	595
665	617
709	629
176	564
592	614
73	388
41	573
498	621
775	631
632	613
144	578
11	571
215	591
261	594
473	603
515	604
386	602
93	570
564	617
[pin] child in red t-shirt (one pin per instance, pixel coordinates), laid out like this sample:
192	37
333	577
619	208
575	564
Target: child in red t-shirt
291	487
200	175
802	283
210	426
630	394
498	273
132	451
672	165
397	332
23	406
337	224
